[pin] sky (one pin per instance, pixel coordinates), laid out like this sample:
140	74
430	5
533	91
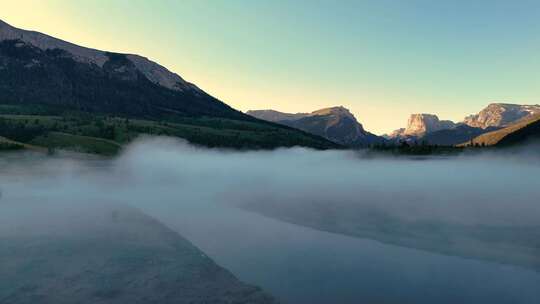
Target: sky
382	59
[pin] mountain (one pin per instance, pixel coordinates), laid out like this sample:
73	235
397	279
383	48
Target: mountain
40	69
526	128
419	125
428	128
337	124
500	115
48	77
107	254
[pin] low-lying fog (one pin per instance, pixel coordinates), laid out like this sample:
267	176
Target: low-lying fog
477	189
416	203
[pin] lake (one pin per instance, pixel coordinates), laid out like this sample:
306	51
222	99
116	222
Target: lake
303	265
251	213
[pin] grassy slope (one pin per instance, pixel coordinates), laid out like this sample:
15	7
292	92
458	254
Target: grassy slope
105	135
78	143
10	145
492	138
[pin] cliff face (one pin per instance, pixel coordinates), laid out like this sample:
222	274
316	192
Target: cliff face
337	124
420	124
500	115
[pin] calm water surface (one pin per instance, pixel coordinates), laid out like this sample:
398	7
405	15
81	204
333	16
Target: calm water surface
302	265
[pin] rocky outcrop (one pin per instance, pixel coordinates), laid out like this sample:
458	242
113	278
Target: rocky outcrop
500	115
419	125
337	124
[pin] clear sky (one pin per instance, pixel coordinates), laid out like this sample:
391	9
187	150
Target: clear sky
382	59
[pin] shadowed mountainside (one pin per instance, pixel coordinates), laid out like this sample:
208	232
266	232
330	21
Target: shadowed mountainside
459	134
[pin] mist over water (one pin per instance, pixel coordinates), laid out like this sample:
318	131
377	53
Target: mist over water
203	194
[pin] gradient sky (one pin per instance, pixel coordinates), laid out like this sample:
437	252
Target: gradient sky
382	59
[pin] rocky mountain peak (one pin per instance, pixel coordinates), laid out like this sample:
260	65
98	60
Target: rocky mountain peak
500	114
420	124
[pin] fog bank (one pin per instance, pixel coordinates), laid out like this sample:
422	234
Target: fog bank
164	173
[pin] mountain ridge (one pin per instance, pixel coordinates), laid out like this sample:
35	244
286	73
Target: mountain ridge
153	71
428	128
500	115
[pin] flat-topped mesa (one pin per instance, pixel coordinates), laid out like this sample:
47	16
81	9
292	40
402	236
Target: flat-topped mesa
500	115
420	124
153	71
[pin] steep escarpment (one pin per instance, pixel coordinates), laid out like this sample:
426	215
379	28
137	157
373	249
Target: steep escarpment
418	125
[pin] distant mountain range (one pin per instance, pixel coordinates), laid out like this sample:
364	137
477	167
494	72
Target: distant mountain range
337	124
428	127
500	115
42	75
